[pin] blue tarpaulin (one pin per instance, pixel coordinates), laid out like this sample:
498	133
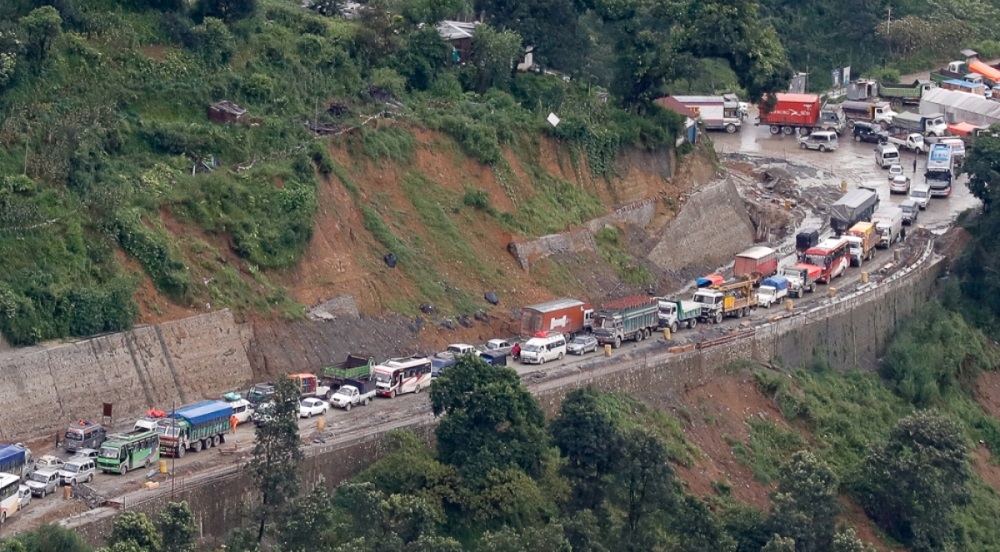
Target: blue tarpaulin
204	411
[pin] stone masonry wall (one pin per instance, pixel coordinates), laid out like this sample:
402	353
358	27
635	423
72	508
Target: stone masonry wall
43	388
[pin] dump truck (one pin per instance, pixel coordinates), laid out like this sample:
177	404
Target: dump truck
932	124
873	112
566	316
630	318
862	238
194	427
772	290
801	113
756	263
855	206
801	278
730	299
899	94
353	368
675	313
956	70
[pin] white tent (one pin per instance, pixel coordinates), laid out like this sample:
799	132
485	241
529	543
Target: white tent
960	107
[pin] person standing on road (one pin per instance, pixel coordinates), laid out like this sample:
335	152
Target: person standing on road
914	166
233	422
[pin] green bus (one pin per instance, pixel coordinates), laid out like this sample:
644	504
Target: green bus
128	451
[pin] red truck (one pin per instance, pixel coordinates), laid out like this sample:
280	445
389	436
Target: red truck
756	263
802	113
567	316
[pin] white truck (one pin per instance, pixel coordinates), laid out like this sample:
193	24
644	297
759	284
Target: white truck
673	313
913	142
354	393
715	112
889	225
772	290
801	278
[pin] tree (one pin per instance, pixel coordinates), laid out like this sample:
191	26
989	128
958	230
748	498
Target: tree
698	528
586	436
909	483
779	544
306	521
50	537
176	525
489	420
495	54
421	56
391	521
42	27
549	538
982	164
136	530
274	464
432	11
846	540
552	27
227	10
747	525
509	498
644	478
805	505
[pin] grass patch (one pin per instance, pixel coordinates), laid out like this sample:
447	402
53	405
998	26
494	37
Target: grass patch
612	249
628	413
768	447
387	143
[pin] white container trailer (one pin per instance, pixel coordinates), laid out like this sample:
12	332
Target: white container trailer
715	112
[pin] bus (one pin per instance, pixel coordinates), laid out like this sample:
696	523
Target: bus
832	256
402	375
124	452
10	499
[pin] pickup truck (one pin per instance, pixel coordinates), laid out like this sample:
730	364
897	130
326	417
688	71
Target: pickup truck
772	290
908	141
353	393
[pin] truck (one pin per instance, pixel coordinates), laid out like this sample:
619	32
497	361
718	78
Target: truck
755	263
899	94
353	368
932	124
772	290
715	112
958	85
862	238
802	113
872	112
353	393
855	206
956	70
889	225
673	313
194	427
940	169
567	316
16	460
730	299
801	278
629	318
907	140
310	385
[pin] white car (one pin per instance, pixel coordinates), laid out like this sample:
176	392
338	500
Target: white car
86	453
894	171
459	349
899	184
312	407
77	470
499	346
23	496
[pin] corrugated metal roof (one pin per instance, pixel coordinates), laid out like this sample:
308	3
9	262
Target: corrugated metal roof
453	30
688	100
962	101
757	252
802	98
555	304
964	84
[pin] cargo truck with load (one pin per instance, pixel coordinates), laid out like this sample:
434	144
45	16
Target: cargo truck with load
907	140
862	238
872	112
731	299
854	207
566	316
194	427
889	225
630	318
956	70
801	113
897	94
932	124
801	278
755	263
715	112
940	170
772	290
355	367
675	313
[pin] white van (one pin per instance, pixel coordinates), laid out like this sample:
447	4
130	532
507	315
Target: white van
886	155
537	350
920	193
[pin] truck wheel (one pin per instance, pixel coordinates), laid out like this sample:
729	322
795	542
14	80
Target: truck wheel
197	446
561	355
775	129
822	148
673	327
850	124
347	407
731	128
366	401
618	342
857	137
392	394
123	469
692	323
788	131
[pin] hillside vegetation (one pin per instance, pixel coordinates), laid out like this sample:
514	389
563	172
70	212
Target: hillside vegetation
114	183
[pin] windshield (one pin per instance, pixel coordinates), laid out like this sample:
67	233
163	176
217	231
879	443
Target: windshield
607	323
818	260
74	436
532	348
940	155
579	341
109	452
382	377
167	430
703	298
40	477
72	468
918	193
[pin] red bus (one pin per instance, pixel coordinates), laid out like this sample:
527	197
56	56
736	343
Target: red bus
832	256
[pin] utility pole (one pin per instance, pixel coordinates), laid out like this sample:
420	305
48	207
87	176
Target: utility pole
888	19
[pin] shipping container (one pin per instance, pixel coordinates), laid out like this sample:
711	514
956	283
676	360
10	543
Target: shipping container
756	263
568	316
791	109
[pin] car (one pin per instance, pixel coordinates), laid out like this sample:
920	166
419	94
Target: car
894	171
869	132
23	496
48	462
263	414
77	470
499	346
459	349
911	210
824	140
900	184
312	407
920	193
582	344
43	482
86	453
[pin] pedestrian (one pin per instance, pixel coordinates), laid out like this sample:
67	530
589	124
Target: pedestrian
233	422
914	165
516	351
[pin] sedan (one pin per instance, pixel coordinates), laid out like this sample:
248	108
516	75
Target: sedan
312	407
899	185
894	171
582	344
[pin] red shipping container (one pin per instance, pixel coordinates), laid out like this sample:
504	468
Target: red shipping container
791	109
567	316
757	261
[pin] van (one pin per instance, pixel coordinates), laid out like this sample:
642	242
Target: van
886	155
84	434
921	194
824	140
537	350
77	470
911	210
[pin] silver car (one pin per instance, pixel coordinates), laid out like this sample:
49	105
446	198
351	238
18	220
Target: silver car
823	141
582	344
43	482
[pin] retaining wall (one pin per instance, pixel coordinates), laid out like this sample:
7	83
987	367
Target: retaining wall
44	388
848	331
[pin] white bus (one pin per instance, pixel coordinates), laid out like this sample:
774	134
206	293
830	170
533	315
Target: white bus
10	500
402	375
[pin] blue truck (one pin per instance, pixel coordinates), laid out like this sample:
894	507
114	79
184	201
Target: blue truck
16	460
194	427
